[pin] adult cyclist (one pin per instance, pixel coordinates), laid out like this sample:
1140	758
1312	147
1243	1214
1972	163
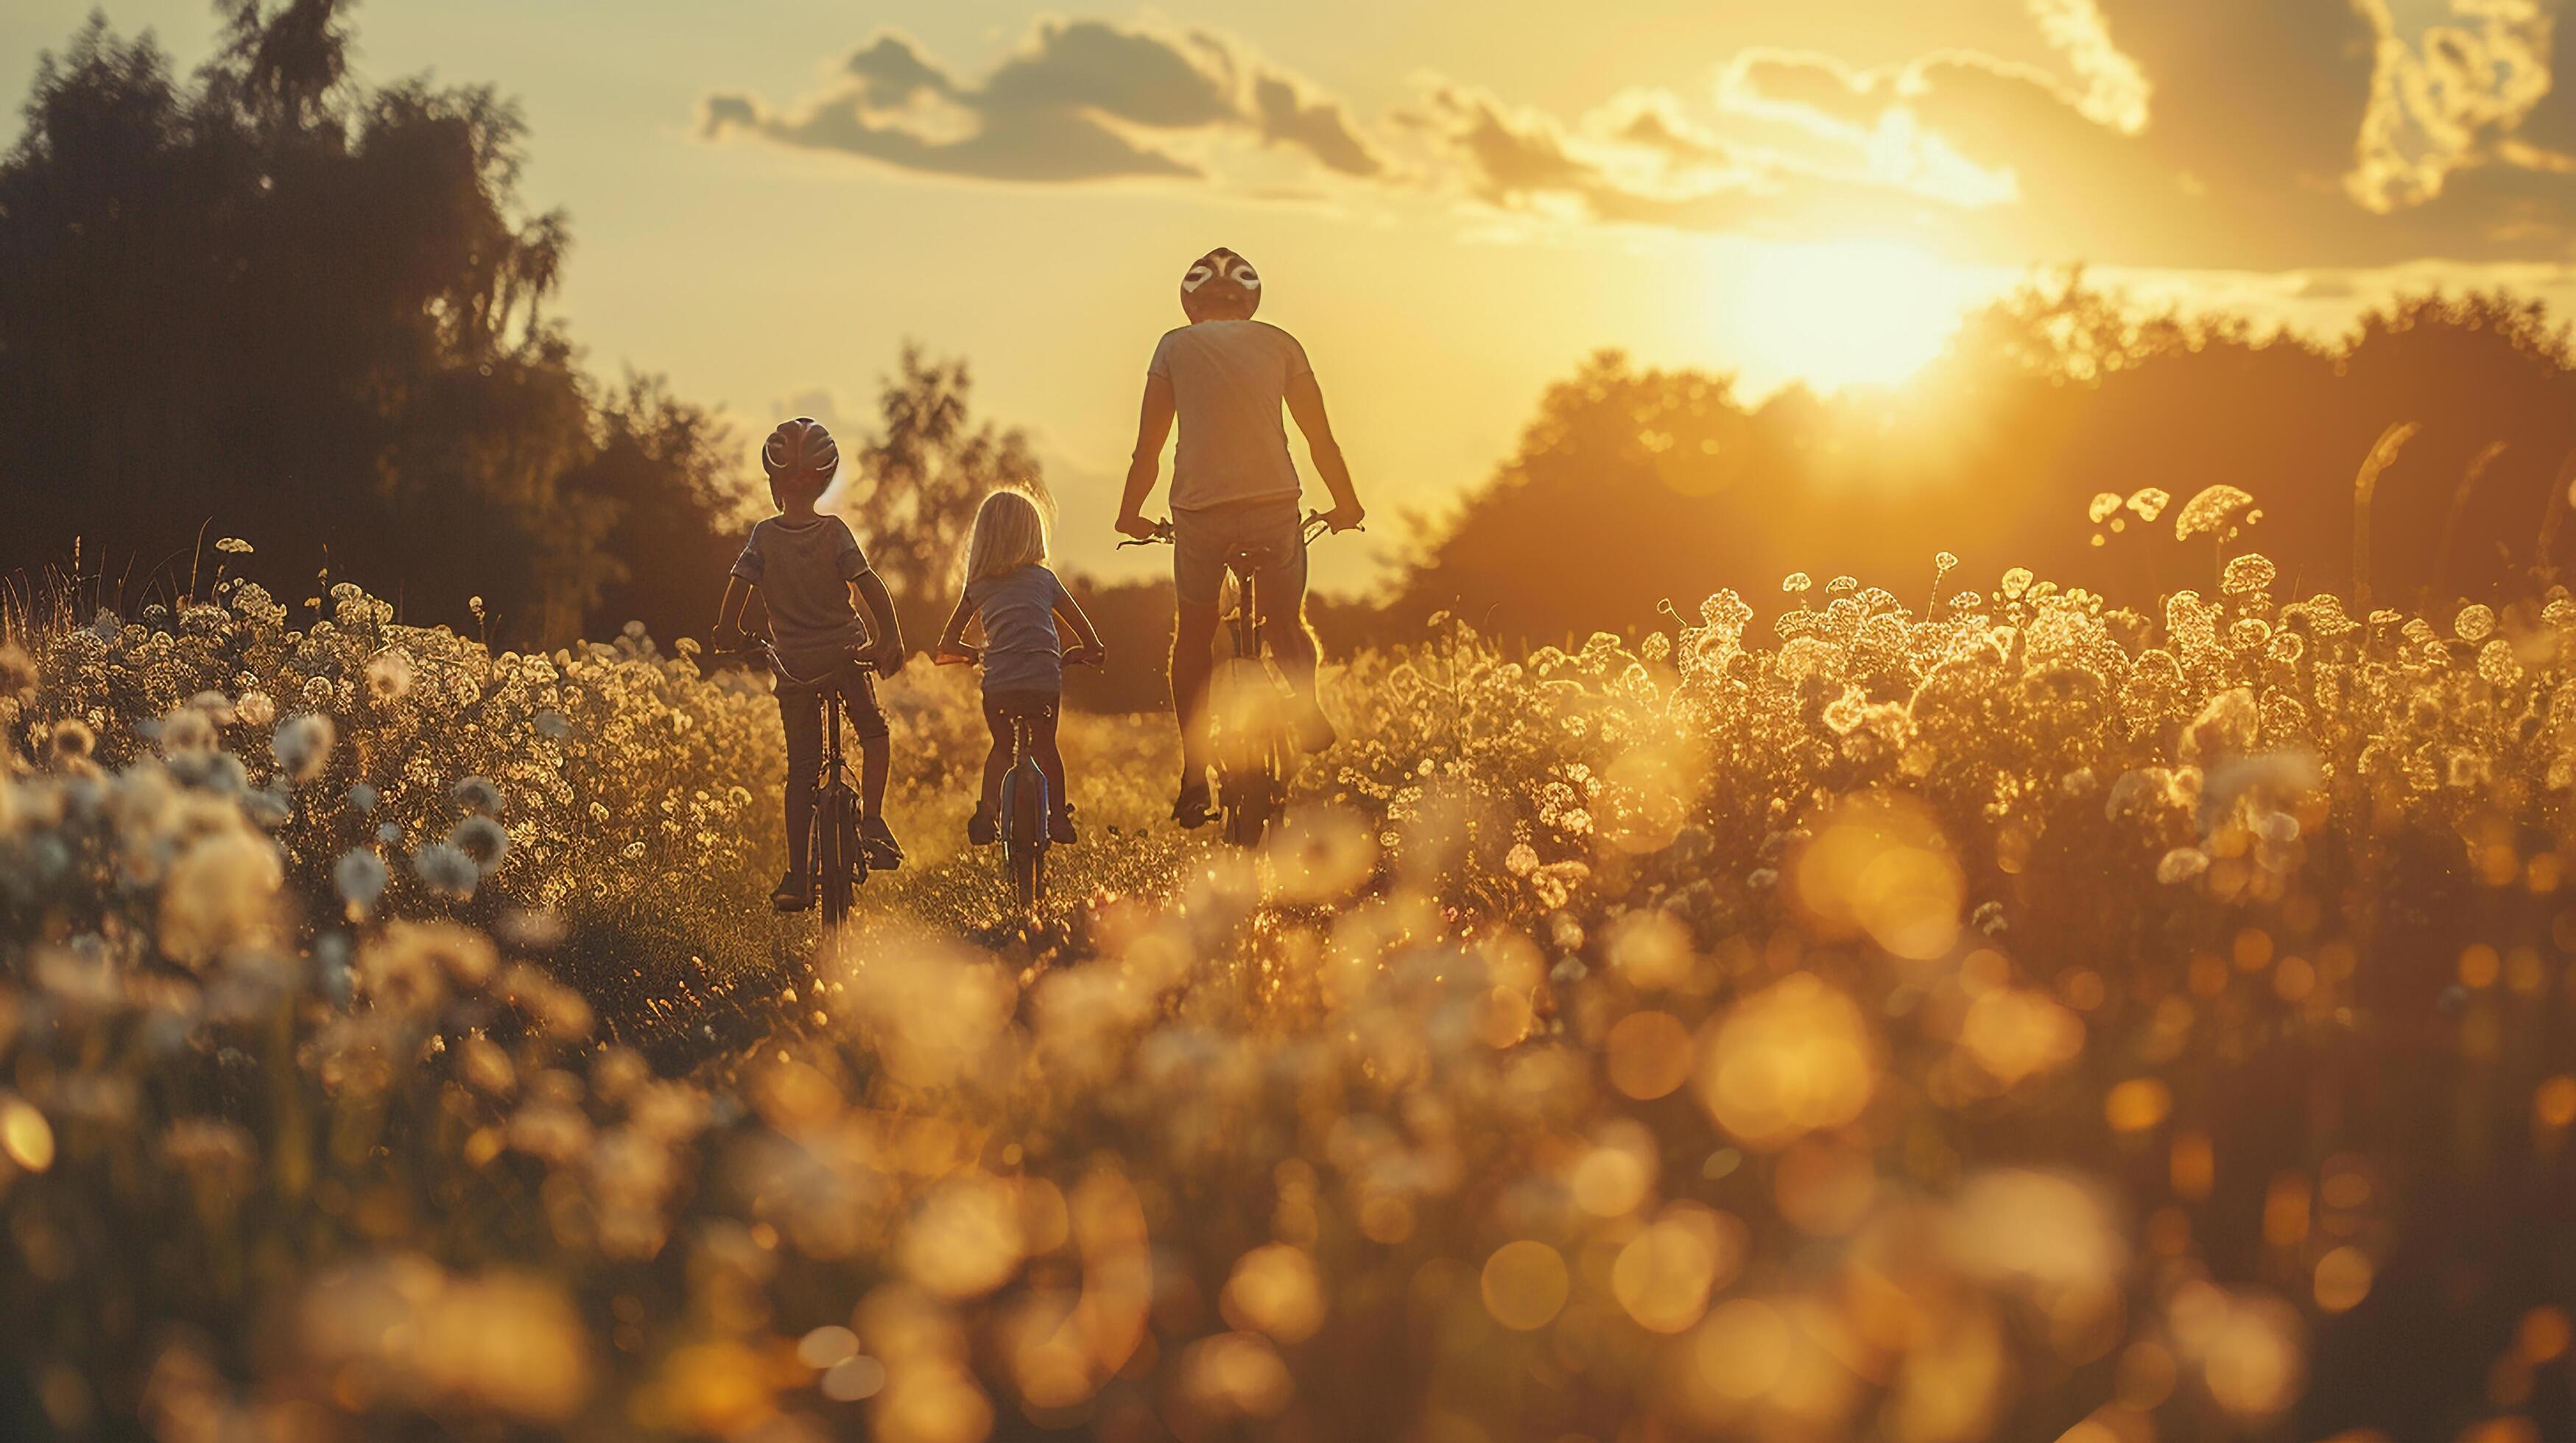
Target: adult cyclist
1225	377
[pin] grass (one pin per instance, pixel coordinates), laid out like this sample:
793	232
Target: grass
2016	1018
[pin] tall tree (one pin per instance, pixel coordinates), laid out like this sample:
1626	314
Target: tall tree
275	303
919	481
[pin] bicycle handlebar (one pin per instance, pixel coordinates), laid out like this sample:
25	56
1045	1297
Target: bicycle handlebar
767	652
974	656
1316	523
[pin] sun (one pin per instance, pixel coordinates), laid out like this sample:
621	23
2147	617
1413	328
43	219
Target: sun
1843	312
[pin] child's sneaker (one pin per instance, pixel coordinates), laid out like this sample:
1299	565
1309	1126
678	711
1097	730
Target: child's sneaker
1060	827
980	828
884	853
790	894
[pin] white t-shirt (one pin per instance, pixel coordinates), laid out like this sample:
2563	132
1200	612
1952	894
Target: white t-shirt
1229	382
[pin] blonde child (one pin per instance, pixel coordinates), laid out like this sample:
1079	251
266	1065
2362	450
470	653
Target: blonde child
1017	600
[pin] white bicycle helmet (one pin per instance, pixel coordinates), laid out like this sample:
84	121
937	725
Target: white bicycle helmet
1220	283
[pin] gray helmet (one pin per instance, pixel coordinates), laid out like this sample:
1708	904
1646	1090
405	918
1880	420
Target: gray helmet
800	445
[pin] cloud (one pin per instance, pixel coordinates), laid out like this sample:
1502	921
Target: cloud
1804	87
889	73
1640	160
2551	125
2445	103
1510	157
1080	100
2116	91
2284	135
2169	133
1320	127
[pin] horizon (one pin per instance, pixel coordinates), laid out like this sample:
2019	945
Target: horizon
1523	238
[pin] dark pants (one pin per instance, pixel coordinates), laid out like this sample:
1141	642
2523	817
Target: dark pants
800	716
1000	710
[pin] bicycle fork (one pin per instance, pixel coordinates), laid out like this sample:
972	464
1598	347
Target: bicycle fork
1025	808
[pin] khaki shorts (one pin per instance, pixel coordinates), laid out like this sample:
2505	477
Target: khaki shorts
1202	540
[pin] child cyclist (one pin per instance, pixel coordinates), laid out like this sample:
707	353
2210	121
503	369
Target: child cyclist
1017	599
806	566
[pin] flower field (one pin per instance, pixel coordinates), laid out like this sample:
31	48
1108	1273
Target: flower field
2005	1016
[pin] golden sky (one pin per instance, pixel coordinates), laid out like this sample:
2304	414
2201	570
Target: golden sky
1453	202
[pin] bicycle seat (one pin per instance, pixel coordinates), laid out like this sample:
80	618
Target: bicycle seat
1244	560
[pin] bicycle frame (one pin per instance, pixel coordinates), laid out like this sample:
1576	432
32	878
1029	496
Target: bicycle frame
1025	804
1022	820
1251	788
835	861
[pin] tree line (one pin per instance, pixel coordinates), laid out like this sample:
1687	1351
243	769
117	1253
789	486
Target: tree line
267	299
2065	430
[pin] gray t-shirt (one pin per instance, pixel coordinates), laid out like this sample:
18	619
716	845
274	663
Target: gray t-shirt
1017	609
1229	381
804	575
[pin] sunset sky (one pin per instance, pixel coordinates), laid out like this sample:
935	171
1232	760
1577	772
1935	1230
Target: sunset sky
1452	203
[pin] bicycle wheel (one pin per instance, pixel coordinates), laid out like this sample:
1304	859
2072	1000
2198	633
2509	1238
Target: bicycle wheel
1257	803
1024	818
836	851
1028	877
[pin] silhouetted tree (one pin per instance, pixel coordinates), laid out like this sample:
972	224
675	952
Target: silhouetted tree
1634	488
273	303
913	493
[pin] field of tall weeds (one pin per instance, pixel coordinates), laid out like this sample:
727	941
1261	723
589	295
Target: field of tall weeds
2003	1016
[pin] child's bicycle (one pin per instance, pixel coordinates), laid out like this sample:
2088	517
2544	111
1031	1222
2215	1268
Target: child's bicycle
1254	757
1026	804
835	861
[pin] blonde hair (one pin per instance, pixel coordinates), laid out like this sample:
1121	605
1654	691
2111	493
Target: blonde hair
1009	534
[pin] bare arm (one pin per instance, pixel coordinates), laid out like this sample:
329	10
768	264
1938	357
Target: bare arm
737	598
952	637
1153	428
871	590
1071	610
1306	407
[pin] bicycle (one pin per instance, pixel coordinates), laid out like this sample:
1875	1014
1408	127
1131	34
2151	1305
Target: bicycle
1026	803
836	863
1254	757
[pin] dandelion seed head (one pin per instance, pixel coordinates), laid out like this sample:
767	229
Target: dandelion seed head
483	842
18	674
477	794
302	745
187	732
2213	510
445	869
389	675
360	877
71	740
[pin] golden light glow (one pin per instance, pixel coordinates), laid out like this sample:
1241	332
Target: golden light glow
1846	313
